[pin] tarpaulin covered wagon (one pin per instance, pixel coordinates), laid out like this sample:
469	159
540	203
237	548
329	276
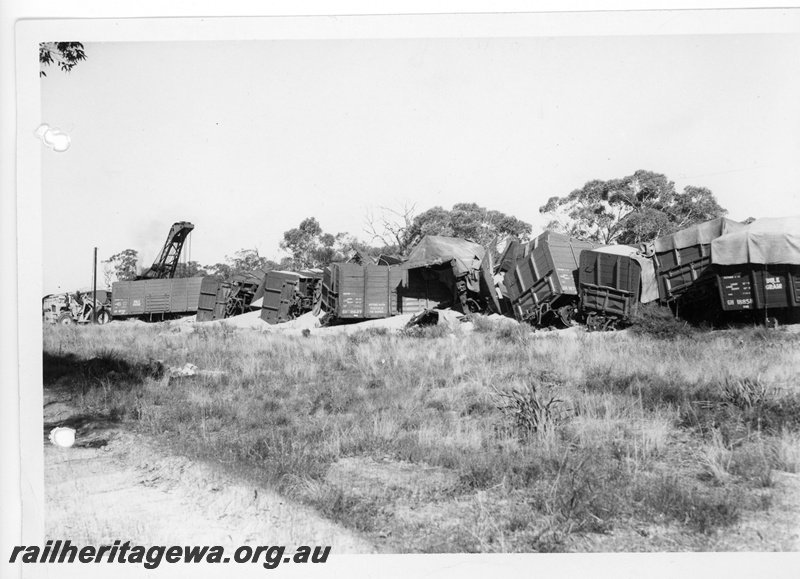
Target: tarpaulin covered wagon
464	266
682	257
757	269
754	275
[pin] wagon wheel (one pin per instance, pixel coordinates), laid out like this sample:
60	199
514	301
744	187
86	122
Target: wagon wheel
473	307
565	314
103	317
594	322
536	315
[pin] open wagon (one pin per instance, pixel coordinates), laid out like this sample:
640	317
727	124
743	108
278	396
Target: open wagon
613	280
542	285
156	299
440	272
354	292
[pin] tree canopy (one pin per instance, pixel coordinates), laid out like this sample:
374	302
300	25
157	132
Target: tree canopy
190	269
468	220
630	210
121	266
309	246
243	261
64	54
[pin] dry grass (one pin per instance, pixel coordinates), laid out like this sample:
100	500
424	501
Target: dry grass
547	436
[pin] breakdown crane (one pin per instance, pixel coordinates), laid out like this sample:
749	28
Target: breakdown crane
156	293
167	261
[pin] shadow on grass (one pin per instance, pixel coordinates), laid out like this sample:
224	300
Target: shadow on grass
70	373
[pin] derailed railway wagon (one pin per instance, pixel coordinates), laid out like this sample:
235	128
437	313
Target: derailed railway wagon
440	272
288	294
769	291
681	258
245	289
542	285
755	272
156	299
213	299
352	292
463	266
613	281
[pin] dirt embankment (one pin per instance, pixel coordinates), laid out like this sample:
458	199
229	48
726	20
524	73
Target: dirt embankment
114	484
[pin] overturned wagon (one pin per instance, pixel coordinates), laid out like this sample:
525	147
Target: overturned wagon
288	294
613	281
213	299
542	285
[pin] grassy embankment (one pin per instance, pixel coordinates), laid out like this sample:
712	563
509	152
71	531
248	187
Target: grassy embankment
496	440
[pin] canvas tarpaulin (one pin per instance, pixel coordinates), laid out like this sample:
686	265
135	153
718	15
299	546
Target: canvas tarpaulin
702	233
466	257
649	282
771	240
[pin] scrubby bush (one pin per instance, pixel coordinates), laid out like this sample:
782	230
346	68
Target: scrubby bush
658	322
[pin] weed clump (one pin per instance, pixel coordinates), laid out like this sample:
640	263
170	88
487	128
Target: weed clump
658	322
738	407
426	332
531	409
701	511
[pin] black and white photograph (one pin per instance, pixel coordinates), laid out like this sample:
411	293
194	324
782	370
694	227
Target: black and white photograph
455	285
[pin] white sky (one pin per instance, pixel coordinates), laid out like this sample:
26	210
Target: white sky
247	138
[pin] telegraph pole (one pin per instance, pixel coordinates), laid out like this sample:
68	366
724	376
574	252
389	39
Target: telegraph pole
94	289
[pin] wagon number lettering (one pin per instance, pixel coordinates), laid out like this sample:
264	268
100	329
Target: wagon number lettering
744	302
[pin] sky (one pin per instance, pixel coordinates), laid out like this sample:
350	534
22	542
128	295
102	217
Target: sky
245	139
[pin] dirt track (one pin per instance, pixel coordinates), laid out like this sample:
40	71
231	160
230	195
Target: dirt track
115	485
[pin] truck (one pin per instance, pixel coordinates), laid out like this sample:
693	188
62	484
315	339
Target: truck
76	308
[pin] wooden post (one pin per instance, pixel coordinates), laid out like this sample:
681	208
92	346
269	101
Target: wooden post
94	288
